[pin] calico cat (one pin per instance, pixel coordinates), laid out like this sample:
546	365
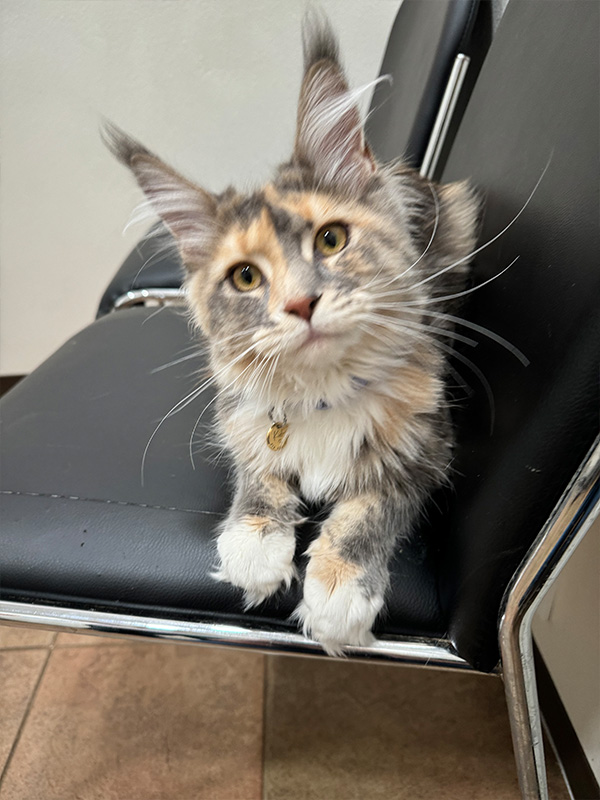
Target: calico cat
313	293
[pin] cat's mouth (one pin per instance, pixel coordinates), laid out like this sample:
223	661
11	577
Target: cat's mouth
315	337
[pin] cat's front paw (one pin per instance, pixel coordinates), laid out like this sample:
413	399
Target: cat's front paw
256	554
343	616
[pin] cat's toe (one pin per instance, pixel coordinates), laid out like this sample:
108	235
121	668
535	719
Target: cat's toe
256	556
344	616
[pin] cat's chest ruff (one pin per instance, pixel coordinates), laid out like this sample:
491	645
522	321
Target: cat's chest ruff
319	448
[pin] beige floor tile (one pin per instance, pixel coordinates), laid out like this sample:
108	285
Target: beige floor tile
145	722
11	637
344	731
88	640
19	672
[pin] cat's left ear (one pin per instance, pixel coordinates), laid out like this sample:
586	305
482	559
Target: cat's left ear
187	210
329	131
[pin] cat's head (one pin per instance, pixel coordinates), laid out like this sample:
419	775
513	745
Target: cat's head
321	275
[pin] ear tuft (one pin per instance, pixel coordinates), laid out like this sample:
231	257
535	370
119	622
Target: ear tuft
120	144
318	40
187	210
329	131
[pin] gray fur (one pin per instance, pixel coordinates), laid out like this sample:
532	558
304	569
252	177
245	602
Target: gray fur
414	245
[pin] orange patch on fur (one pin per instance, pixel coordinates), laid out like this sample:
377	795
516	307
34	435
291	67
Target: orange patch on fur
319	209
258	240
417	392
328	567
255	523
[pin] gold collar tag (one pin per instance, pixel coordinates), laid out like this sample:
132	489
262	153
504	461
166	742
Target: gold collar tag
277	436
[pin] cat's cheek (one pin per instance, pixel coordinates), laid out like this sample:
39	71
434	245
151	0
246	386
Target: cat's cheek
256	555
342	617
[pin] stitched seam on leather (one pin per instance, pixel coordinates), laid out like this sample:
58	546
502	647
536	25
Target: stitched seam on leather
109	502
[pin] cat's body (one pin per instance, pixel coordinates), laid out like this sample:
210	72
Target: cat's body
314	293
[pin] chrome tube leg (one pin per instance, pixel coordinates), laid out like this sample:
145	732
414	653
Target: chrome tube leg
567	525
524	711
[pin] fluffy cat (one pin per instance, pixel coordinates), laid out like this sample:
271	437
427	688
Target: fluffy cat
313	293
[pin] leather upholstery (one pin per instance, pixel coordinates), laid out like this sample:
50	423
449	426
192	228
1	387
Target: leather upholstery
78	525
423	43
535	103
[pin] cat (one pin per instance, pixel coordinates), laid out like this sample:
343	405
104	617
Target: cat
313	293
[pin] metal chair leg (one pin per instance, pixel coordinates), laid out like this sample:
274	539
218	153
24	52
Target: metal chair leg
524	713
572	517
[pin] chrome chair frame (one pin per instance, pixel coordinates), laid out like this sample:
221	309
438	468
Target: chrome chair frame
568	523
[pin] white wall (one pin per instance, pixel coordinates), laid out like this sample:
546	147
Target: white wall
211	85
567	631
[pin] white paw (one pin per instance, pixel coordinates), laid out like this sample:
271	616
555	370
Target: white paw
342	617
258	559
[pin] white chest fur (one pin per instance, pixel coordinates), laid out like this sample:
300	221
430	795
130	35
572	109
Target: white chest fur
320	449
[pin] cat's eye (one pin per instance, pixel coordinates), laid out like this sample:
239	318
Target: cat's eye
245	277
331	238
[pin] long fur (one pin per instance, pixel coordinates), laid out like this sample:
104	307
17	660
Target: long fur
359	383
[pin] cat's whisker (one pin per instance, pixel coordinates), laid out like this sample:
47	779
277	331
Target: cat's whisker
176	361
154	314
475	327
183	403
200	351
425	251
456	295
273	372
484	381
263	373
386	337
207	406
254	360
401	324
468	257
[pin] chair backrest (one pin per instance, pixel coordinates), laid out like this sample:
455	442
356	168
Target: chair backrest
422	47
529	142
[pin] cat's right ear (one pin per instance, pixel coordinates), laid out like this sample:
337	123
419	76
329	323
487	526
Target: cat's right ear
187	210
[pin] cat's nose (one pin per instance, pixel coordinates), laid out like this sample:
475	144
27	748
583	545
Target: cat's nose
302	307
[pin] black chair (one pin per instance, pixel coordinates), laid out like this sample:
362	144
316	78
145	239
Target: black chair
86	545
433	56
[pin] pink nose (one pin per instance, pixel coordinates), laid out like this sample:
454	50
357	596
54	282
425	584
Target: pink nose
303	307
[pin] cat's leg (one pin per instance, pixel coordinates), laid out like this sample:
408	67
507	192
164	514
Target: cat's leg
257	540
347	574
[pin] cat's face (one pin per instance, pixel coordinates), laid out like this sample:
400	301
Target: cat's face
322	271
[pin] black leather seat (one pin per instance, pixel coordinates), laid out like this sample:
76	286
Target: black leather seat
106	536
425	39
80	531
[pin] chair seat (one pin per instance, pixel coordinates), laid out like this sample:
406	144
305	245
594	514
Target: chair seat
81	528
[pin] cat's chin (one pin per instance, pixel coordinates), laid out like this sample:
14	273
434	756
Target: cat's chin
319	347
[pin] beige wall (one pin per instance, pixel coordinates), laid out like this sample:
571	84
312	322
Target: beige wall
567	631
209	84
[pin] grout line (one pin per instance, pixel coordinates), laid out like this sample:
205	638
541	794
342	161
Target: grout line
27	710
266	662
20	648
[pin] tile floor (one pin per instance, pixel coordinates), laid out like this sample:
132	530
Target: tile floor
88	718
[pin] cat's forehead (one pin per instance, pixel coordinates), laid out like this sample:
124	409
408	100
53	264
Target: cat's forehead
289	212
